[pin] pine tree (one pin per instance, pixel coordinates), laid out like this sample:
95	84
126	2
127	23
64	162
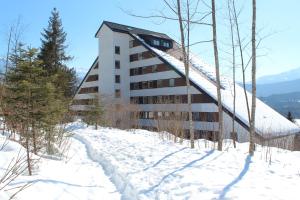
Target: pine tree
55	58
24	86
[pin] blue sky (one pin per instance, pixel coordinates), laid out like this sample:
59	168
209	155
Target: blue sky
81	19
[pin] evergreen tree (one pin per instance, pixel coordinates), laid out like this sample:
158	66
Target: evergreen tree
94	116
31	102
290	117
24	86
55	58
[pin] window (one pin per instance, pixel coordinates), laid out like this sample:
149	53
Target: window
140	71
117	93
97	66
145	100
172	82
141	100
180	82
150	115
133	57
171	99
136	86
144	70
154	83
159	83
117	79
147	54
166	44
88	90
117	64
200	98
212	117
133	43
144	85
178	99
150	100
117	50
140	56
196	116
166	115
154	68
159	115
156	42
92	78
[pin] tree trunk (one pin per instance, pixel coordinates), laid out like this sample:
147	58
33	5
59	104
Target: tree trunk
242	58
234	134
34	139
27	151
216	55
253	106
8	52
186	66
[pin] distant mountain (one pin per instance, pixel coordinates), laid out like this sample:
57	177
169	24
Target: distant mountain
264	90
283	103
282	77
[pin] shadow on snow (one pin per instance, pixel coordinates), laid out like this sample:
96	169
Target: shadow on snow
163	158
177	170
227	188
54	182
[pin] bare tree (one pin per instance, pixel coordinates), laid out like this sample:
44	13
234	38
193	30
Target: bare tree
217	66
185	16
253	105
233	133
185	53
240	47
8	50
15	168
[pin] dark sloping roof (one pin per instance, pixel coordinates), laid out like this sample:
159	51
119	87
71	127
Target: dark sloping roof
130	29
269	124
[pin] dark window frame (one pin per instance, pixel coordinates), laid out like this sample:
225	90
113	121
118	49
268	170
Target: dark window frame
117	50
117	64
117	79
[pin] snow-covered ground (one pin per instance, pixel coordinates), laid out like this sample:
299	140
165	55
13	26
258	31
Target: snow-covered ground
76	177
143	166
115	164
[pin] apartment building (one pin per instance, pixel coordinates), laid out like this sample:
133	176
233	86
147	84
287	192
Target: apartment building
145	68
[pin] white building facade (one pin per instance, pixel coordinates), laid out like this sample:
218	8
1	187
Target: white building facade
142	67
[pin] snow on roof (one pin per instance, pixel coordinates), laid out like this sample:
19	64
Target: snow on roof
297	121
268	122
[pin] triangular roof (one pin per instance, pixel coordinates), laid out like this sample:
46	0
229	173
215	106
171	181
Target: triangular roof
130	29
268	123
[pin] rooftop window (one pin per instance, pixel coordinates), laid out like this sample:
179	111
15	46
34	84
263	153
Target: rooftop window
156	42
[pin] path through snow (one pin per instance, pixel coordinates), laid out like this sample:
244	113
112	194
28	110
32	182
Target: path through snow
142	166
78	178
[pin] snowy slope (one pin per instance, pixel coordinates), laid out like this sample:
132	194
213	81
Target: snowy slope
268	122
77	177
143	166
115	164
